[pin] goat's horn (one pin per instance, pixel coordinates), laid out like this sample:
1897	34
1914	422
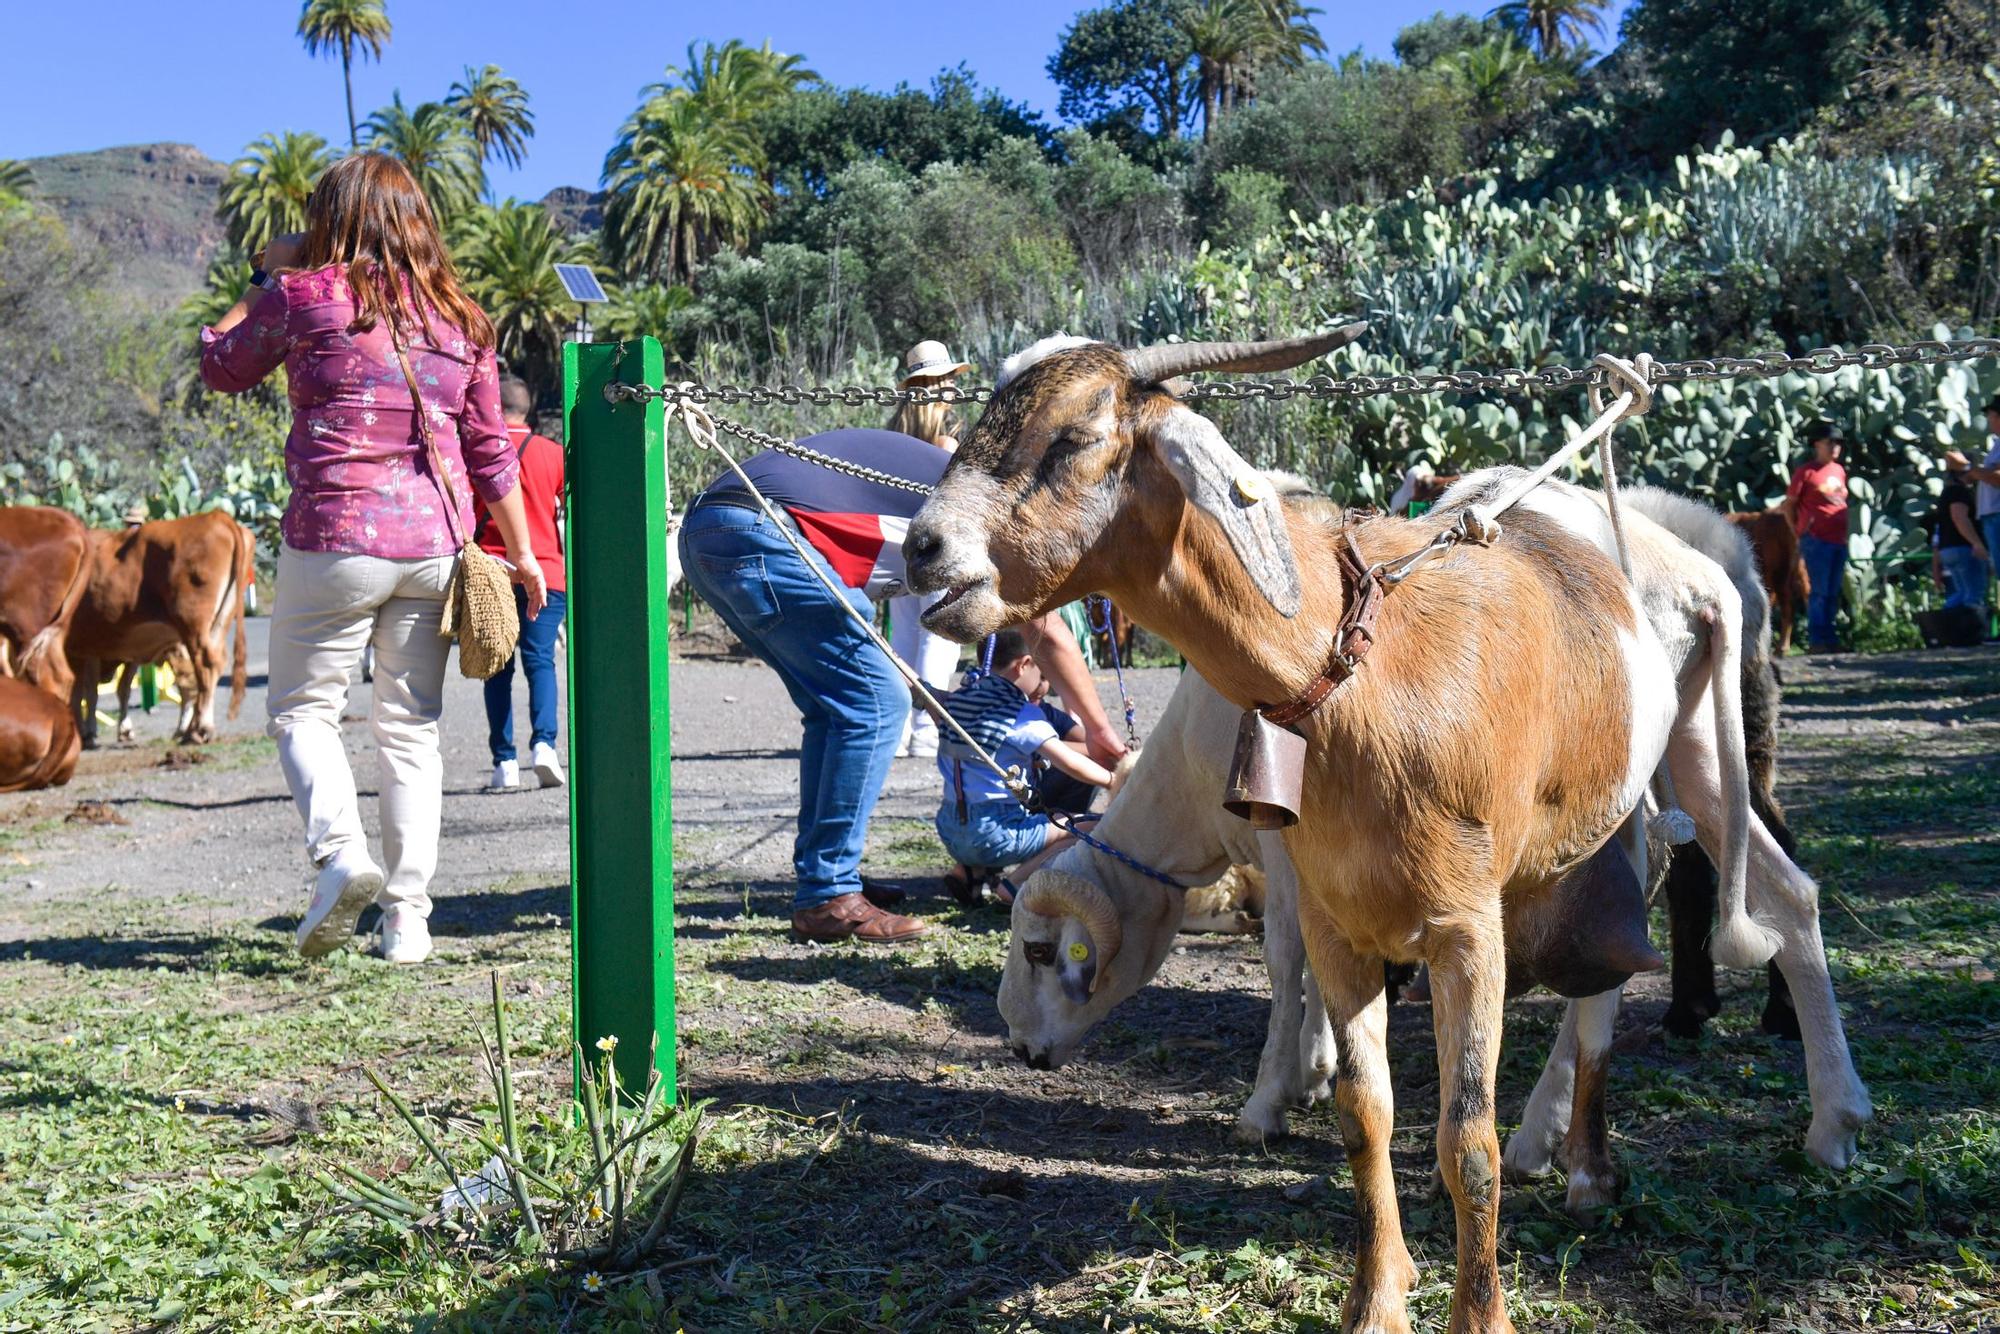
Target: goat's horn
1053	893
1163	361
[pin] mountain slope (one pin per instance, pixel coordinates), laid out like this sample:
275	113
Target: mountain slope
152	208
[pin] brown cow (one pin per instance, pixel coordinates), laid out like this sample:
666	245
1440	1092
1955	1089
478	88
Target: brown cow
38	741
44	569
161	585
1776	544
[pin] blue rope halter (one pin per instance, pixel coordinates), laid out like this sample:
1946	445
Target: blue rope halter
1067	823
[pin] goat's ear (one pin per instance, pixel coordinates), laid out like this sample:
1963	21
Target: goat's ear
1237	496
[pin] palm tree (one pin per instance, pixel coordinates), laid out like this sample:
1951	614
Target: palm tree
15	178
643	308
495	109
1223	36
507	253
734	82
221	284
265	193
682	184
437	146
1288	37
327	26
1552	26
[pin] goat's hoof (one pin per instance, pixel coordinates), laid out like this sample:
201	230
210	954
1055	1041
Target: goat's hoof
1379	1304
1780	1021
1685	1021
1523	1159
1255	1125
1832	1140
1589	1192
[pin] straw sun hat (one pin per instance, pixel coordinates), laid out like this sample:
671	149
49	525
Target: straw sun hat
929	360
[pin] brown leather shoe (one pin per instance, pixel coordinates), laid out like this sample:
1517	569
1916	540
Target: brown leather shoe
853	917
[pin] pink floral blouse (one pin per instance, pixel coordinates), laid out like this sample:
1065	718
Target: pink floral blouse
361	481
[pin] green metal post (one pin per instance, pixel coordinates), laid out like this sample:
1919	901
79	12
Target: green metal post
620	814
149	687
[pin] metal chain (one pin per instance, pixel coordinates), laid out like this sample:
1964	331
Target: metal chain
1511	379
798	451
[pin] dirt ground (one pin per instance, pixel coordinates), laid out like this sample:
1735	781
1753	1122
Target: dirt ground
880	1161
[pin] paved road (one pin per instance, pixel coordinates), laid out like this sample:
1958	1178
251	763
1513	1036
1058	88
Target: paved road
222	838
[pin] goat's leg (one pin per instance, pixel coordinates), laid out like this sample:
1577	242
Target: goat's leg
1690	892
1791	900
1279	1080
1468	988
1263	1117
1316	1043
1378	1299
1593	1178
1545	1120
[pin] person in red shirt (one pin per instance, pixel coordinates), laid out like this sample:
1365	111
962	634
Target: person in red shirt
1817	503
542	492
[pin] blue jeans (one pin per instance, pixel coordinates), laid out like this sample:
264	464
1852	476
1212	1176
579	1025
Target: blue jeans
537	656
851	700
1989	533
993	833
1826	566
1964	577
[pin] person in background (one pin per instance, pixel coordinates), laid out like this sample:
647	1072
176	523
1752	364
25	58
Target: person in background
368	549
935	658
1986	504
541	462
1961	551
981	823
1816	503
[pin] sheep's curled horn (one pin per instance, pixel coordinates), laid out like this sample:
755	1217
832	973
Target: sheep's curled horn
1164	361
1052	893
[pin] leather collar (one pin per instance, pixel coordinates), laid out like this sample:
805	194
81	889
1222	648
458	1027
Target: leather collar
1364	590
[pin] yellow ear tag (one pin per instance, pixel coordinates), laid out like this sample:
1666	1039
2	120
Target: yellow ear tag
1078	951
1252	488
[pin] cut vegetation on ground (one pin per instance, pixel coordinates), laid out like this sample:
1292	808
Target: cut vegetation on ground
171	1076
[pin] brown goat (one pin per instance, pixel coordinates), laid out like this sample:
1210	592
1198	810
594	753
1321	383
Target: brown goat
1459	791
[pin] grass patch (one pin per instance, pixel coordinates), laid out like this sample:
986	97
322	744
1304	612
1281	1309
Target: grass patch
875	1160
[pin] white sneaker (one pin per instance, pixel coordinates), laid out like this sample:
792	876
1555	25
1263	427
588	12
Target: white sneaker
924	745
403	935
506	776
548	768
348	882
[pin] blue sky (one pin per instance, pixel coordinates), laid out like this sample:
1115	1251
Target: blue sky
218	73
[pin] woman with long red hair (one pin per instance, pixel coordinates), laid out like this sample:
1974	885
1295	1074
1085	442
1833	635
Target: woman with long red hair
372	530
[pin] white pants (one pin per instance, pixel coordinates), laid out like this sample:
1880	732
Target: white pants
934	657
330	606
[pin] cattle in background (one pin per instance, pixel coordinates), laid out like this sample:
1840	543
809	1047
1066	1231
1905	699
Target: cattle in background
1776	545
161	585
44	570
38	740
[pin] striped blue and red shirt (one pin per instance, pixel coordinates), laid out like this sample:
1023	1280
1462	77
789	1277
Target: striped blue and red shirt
858	525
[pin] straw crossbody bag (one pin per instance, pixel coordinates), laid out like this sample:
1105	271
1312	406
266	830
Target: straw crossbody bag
479	609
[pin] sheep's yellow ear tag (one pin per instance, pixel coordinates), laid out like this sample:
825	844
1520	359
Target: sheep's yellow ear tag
1252	488
1078	951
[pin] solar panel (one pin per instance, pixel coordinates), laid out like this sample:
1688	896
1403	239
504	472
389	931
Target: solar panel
580	283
